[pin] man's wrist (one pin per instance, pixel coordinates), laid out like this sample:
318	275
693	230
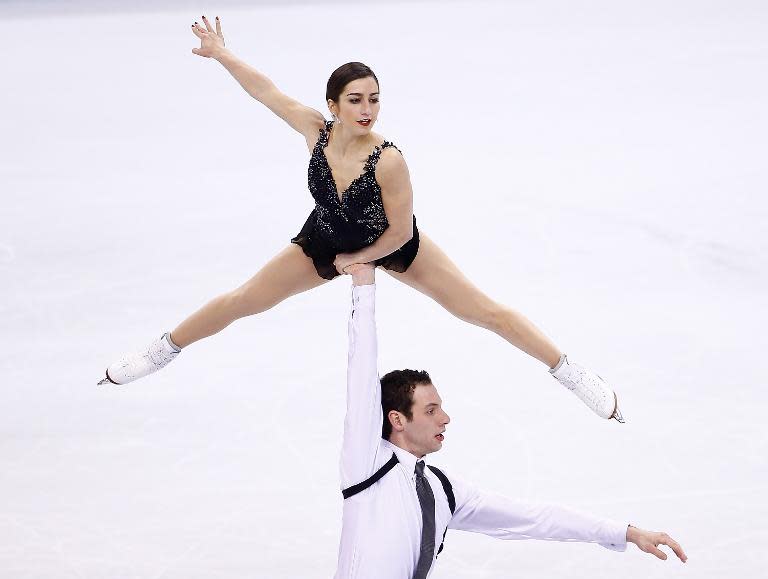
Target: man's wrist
364	275
632	532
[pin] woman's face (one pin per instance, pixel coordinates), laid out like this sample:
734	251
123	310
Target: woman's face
358	106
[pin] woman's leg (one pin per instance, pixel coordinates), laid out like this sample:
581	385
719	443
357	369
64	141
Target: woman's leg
288	273
435	275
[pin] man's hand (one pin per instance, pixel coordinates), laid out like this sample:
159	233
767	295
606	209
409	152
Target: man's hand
362	273
211	41
649	541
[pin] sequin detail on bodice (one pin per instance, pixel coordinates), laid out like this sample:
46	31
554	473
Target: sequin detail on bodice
356	218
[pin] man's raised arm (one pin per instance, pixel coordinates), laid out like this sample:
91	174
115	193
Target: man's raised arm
362	424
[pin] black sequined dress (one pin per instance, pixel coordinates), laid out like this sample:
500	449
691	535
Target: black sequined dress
347	224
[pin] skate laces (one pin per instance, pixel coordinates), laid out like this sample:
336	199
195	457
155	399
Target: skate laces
158	355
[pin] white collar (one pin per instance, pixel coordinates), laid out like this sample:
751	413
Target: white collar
404	457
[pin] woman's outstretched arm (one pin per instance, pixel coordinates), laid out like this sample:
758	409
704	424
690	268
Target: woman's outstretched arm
301	118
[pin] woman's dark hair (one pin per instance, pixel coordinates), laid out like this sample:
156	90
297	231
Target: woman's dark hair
343	75
397	394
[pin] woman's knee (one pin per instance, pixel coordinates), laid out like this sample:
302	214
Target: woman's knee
498	318
481	312
248	300
504	320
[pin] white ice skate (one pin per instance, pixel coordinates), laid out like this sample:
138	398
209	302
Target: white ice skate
589	387
157	355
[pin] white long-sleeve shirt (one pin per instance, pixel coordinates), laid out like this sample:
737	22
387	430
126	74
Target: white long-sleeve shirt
381	526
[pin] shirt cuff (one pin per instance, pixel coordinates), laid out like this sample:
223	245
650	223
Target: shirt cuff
616	536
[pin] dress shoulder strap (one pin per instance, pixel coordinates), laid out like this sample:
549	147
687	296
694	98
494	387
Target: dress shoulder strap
325	132
386	144
374	158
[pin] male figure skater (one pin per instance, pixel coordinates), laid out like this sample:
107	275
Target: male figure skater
396	511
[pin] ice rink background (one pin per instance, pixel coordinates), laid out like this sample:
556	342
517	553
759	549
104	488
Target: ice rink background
600	166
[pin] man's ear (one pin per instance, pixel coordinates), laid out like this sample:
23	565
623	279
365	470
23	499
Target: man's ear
397	420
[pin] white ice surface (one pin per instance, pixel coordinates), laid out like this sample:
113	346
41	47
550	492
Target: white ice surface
599	166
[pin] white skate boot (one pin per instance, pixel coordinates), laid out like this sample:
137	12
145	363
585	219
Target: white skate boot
157	355
589	387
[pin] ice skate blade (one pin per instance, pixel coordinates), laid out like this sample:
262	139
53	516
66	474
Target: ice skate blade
617	416
107	381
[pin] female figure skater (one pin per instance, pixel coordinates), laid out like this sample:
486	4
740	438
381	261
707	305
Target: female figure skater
363	213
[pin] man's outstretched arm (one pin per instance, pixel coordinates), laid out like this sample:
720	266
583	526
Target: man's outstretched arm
506	518
362	424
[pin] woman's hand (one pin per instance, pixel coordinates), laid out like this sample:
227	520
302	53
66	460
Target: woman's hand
211	41
344	260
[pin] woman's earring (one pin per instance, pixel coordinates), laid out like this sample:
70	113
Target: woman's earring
336	119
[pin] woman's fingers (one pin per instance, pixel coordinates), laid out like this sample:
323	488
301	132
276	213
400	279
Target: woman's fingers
210	40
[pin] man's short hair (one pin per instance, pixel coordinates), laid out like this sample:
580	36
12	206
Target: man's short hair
397	394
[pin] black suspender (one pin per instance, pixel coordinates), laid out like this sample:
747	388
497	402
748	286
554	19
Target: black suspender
448	493
388	466
359	487
446	486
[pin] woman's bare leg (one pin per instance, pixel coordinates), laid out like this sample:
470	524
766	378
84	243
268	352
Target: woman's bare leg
288	273
435	275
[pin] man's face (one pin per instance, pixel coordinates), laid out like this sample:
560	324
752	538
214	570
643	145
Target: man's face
424	433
